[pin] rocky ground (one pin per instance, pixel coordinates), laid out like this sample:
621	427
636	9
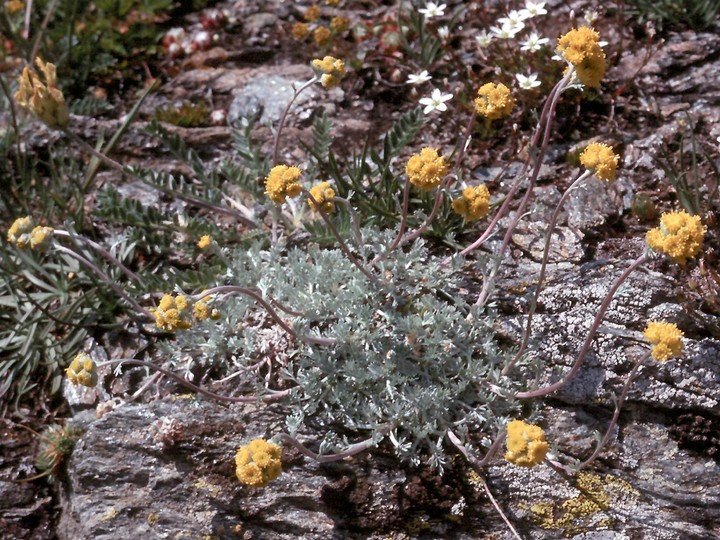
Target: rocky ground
161	466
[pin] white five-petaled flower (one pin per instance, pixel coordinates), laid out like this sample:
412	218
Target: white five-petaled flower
529	82
420	78
514	18
533	43
483	39
433	10
533	9
436	101
506	31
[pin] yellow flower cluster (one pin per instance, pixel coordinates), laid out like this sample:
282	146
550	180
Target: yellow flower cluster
173	313
282	182
321	36
300	31
44	100
494	101
323	194
312	13
667	340
426	169
205	241
82	370
526	444
474	203
258	463
601	160
581	47
339	23
24	234
680	236
14	6
330	70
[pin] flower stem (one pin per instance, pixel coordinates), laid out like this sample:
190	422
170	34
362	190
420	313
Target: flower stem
235	289
283	118
618	406
543	266
326	458
590	336
187	384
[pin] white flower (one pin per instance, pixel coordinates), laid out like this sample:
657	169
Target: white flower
506	31
591	16
514	18
533	9
533	43
444	33
529	82
433	10
483	39
420	78
436	101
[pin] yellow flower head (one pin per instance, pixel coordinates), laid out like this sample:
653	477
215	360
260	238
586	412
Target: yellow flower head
666	338
601	160
282	182
680	236
20	232
258	463
581	47
201	311
312	13
323	194
300	31
330	70
205	241
332	2
321	35
474	203
43	99
526	444
14	6
426	169
494	101
172	313
82	370
339	23
41	237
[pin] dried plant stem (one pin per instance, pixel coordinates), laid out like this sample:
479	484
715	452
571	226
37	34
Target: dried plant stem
187	384
102	275
590	335
497	507
326	458
283	118
543	267
234	289
616	415
102	251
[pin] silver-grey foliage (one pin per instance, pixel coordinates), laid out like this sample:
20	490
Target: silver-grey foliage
414	353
